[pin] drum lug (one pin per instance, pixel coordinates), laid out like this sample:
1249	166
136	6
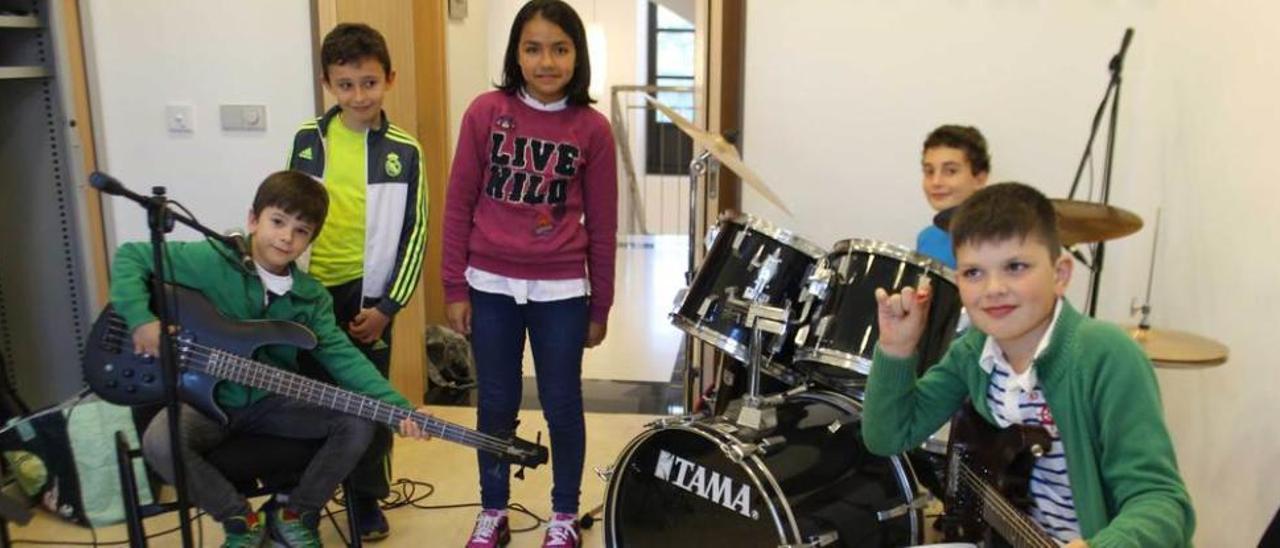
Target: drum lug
819	284
825	539
900	510
680	295
768	268
737	240
605	474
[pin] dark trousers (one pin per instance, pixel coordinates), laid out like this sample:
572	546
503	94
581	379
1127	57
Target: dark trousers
345	436
557	332
371	478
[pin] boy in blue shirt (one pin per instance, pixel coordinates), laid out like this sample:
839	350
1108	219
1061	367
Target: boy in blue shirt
955	164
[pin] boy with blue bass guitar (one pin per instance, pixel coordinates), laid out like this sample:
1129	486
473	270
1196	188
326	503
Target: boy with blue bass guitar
216	297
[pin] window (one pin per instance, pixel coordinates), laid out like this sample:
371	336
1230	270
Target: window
671	61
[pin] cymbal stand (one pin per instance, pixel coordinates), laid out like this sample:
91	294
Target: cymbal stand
1113	86
703	164
1145	308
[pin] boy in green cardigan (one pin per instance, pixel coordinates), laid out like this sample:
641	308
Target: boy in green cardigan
1110	477
288	211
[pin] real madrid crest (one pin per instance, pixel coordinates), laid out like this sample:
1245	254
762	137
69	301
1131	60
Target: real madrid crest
392	165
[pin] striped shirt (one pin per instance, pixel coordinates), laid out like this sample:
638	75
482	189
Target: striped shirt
1018	399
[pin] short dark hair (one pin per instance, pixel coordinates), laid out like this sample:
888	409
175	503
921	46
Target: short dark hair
965	138
1006	210
297	194
562	15
353	42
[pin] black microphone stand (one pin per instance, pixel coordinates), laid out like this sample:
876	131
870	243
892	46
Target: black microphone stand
1111	95
160	221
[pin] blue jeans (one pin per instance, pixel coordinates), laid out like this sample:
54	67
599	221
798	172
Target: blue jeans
557	332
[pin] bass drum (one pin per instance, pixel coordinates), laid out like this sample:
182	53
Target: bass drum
808	481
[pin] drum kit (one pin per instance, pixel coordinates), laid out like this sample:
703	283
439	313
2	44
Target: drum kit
780	461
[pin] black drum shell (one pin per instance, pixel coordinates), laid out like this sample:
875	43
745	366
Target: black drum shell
821	479
844	346
728	265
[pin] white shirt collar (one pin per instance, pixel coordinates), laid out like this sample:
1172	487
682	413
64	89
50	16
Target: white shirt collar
274	283
553	106
992	355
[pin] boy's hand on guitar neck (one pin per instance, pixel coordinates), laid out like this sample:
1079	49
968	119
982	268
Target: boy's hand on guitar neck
1077	543
902	318
411	429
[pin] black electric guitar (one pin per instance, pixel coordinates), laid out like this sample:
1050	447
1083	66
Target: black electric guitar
988	480
211	348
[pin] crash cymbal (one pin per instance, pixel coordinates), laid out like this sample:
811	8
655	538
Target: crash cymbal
1087	222
722	150
1178	349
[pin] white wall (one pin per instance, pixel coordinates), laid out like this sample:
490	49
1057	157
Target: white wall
480	41
147	53
839	97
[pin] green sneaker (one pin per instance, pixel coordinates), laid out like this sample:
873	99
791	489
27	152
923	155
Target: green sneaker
293	529
247	531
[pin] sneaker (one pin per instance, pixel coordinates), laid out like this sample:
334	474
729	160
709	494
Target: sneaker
247	531
295	530
491	530
370	521
562	532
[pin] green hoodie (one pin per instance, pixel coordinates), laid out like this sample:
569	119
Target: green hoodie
239	295
1102	392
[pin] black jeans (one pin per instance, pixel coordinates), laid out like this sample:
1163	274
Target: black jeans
346	437
371	477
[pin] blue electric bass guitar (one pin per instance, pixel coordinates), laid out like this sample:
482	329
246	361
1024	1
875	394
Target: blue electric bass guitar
211	348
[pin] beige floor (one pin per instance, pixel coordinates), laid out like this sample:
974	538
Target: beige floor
641	344
450	468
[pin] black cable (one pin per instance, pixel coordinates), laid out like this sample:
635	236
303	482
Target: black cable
404	493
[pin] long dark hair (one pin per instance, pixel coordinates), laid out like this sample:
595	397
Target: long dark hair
563	16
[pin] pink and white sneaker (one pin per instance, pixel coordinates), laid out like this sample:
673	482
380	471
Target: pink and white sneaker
491	530
562	532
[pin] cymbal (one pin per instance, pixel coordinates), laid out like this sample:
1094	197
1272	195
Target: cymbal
1178	349
723	151
1087	222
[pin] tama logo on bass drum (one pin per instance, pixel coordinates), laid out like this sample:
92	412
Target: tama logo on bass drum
709	485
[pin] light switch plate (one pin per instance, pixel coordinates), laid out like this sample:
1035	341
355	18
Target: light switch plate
243	117
180	118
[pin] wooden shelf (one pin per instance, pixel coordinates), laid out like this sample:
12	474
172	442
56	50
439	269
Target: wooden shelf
19	22
12	73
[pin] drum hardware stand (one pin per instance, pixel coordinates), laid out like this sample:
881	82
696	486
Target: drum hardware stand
755	414
1144	323
701	165
1115	66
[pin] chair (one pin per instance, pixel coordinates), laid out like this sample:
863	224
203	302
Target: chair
256	465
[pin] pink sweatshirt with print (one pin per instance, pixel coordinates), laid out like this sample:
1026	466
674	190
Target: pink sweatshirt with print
532	195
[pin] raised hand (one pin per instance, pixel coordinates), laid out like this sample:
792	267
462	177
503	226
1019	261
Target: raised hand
902	318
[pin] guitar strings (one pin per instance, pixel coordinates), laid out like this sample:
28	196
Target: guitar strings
116	332
1017	520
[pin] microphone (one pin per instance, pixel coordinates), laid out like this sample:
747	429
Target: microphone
240	243
106	183
1124	47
